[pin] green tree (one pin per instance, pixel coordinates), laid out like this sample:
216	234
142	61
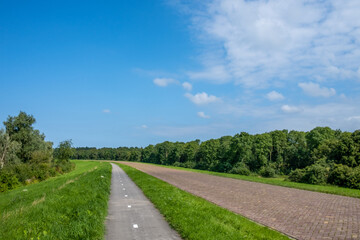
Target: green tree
20	129
8	149
64	151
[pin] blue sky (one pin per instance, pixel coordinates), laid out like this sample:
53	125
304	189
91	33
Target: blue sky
133	73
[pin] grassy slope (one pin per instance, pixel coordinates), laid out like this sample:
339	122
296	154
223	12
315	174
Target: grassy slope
279	182
70	206
195	218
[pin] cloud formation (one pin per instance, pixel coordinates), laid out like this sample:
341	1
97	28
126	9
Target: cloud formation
106	111
258	43
203	115
187	86
290	109
274	96
202	98
163	82
314	89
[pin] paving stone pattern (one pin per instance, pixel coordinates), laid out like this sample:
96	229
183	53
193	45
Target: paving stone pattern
297	213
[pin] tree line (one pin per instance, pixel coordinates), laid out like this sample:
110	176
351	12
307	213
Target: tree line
319	156
25	156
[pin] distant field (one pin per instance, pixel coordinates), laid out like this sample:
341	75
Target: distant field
195	218
70	206
280	182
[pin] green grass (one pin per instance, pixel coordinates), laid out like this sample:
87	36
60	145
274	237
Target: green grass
195	218
280	181
70	206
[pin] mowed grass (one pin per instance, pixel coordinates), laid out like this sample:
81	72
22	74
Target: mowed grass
280	181
70	206
195	218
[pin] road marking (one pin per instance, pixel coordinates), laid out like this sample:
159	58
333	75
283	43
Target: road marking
129	206
122	184
123	188
125	195
135	226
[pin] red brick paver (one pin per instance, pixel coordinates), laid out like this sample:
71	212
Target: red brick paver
298	213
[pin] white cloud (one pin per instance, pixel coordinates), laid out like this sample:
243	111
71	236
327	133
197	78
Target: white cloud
203	115
354	118
290	109
144	126
187	86
274	96
106	111
163	82
258	42
314	89
202	98
216	74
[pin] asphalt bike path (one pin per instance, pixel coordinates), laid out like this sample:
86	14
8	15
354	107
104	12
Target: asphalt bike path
131	215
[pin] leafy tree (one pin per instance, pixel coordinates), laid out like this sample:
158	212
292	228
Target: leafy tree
20	129
64	151
297	154
207	154
262	151
241	149
8	149
278	150
190	150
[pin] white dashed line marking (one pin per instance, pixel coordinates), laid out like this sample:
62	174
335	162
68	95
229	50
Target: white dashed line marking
123	188
129	206
122	184
135	226
125	195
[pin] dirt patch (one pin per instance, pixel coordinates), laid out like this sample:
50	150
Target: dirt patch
297	213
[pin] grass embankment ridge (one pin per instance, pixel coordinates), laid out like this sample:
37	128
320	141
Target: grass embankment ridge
280	181
70	206
195	218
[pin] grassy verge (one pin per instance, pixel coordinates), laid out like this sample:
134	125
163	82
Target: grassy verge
279	182
70	206
195	218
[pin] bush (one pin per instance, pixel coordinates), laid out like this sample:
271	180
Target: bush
344	176
22	171
267	171
8	181
64	166
41	171
315	174
296	175
241	169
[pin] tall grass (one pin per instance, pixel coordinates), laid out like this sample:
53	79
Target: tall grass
70	206
195	218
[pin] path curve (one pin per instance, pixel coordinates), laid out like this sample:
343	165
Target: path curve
131	215
298	213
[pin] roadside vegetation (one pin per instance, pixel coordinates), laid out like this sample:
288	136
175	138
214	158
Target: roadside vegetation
25	156
69	206
195	218
321	156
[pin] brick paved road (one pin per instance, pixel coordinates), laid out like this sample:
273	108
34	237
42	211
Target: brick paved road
298	213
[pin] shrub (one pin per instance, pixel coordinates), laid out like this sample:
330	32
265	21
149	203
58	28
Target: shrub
22	171
64	166
345	176
267	171
241	169
41	171
296	175
8	181
315	174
